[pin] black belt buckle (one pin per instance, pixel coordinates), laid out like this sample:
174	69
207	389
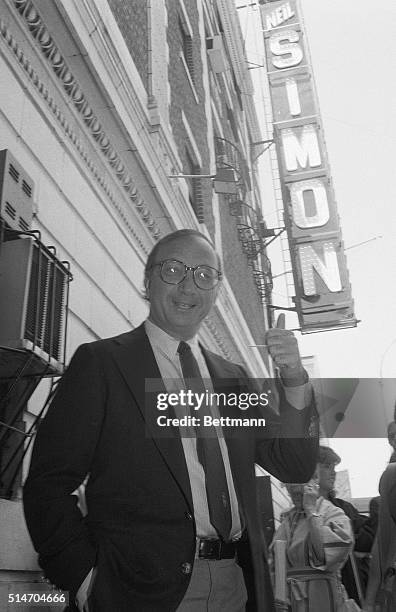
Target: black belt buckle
216	549
209	549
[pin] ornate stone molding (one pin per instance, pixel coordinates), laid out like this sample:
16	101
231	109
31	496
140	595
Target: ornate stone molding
213	328
73	90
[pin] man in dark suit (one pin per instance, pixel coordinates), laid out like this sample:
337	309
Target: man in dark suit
171	518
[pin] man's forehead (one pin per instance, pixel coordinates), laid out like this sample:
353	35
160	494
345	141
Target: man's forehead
187	246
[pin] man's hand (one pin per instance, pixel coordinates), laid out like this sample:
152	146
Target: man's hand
283	348
84	591
310	497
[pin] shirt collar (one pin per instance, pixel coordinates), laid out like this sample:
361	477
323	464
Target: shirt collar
162	340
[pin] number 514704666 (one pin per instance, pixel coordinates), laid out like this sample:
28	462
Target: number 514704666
39	598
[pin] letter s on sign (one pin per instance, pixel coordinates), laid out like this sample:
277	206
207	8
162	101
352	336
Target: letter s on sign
286	43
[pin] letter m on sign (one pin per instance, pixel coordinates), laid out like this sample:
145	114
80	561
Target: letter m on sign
301	151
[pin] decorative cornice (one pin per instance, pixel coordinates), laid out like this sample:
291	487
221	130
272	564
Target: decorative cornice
214	331
73	90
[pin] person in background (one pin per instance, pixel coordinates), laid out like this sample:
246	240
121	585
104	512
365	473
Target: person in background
318	539
381	588
371	525
392	440
364	528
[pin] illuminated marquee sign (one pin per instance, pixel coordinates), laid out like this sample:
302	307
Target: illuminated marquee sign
323	294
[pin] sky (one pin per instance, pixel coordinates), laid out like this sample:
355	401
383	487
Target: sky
354	62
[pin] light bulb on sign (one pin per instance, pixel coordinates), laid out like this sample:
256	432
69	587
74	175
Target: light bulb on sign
327	269
301	151
299	194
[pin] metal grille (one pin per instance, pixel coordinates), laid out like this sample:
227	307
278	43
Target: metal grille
36	291
27	188
54	321
45	314
16	193
10	210
12	171
23	225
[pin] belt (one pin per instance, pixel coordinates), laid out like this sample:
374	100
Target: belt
215	549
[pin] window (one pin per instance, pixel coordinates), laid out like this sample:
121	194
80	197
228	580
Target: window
187	47
195	187
233	125
237	89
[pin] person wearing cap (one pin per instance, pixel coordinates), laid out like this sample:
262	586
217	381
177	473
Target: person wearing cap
171	518
364	528
312	543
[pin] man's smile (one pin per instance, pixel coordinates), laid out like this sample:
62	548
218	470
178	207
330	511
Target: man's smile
183	305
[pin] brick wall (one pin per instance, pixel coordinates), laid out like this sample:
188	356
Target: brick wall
237	269
239	274
184	101
132	19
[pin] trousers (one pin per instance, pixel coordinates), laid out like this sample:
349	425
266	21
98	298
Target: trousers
214	586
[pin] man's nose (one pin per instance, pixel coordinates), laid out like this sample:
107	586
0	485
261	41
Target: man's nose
188	285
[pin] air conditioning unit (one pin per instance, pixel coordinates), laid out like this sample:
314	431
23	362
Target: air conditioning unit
16	193
216	54
33	309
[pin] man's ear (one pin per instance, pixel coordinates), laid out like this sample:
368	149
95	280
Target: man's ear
146	286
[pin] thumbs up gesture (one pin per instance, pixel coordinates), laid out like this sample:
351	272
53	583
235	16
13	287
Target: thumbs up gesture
283	348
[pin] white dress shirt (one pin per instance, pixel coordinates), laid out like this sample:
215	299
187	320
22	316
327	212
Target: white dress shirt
167	357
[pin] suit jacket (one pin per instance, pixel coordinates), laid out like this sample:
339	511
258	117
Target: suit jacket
364	530
387	525
140	532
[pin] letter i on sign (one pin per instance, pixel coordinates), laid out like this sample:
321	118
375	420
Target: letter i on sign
293	97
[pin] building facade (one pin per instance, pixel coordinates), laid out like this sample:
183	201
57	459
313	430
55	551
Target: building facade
114	109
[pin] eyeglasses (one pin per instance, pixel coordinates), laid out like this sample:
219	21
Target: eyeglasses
173	272
328	466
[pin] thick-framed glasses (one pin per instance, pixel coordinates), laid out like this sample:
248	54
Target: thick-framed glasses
173	272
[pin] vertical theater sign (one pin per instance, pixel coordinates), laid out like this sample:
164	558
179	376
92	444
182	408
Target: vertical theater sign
323	294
